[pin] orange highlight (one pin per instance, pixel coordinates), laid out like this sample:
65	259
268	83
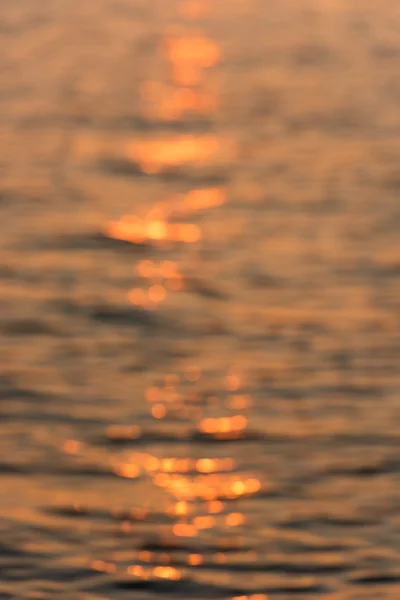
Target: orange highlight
129	471
158	411
234	519
195	559
156	155
183	530
215	506
204	522
71	446
157	293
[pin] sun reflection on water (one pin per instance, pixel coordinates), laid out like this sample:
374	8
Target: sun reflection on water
154	155
202	490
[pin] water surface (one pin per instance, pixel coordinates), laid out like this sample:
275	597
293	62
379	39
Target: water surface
200	299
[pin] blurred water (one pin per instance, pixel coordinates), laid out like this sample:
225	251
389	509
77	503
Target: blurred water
200	299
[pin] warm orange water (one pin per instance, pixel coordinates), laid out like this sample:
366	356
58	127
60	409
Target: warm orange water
200	299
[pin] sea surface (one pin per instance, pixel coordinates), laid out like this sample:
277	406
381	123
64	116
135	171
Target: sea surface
199	299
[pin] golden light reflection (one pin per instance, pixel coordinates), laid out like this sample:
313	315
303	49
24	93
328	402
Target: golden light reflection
211	487
136	570
215	507
154	155
126	527
106	567
161	479
234	519
181	508
145	556
128	471
172	104
199	489
189	56
184	530
129	228
186	465
157	293
158	411
195	559
148	462
146	269
233	382
153	394
251	597
166	573
166	273
175	465
152	463
211	465
203	199
156	230
138	297
71	446
258	597
238	488
223	424
238	401
204	522
252	485
188	233
168	269
139	231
